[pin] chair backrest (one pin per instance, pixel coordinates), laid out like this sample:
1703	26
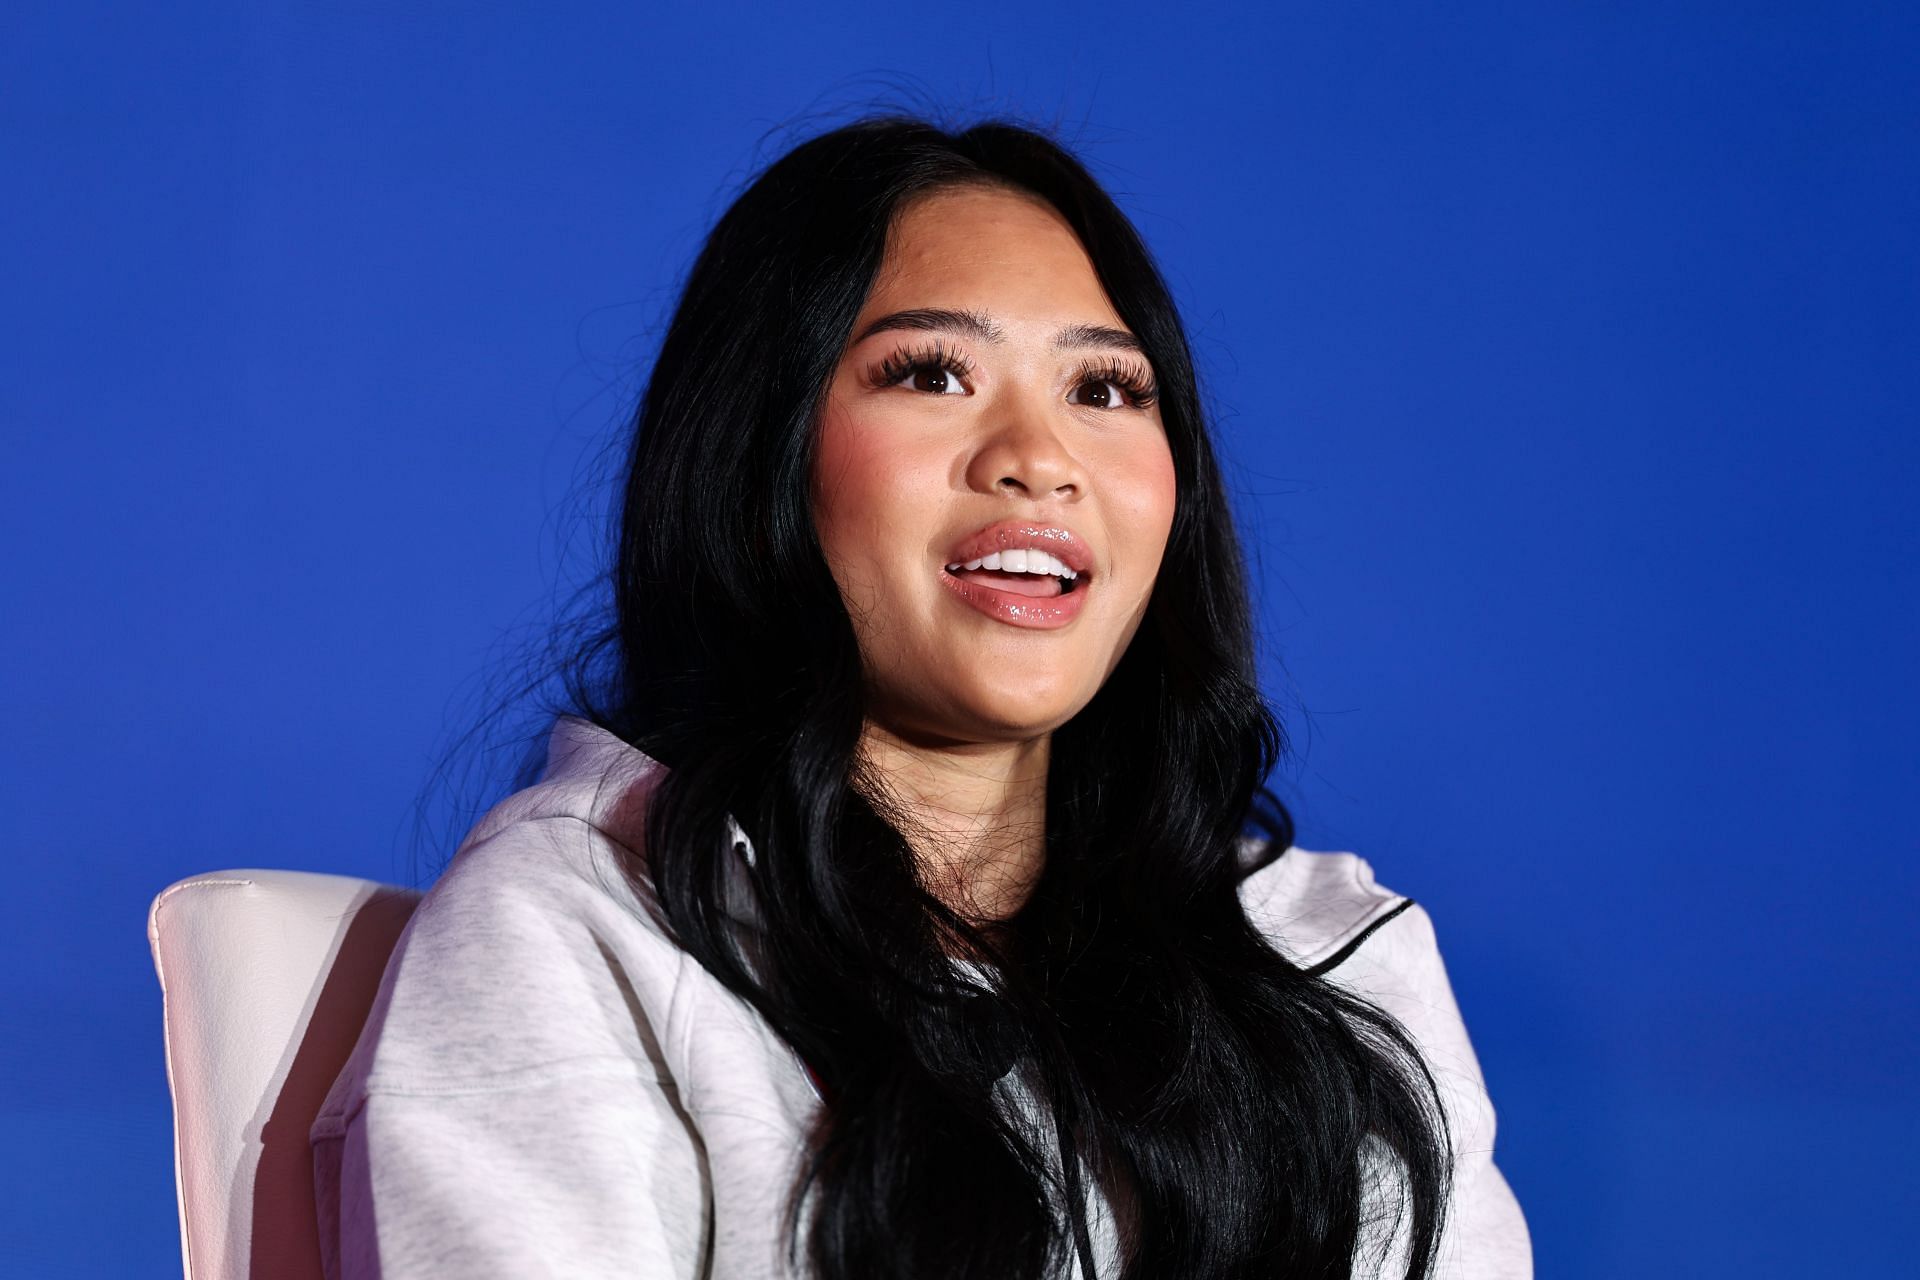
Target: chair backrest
266	979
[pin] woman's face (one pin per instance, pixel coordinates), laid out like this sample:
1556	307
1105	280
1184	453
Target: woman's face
1041	431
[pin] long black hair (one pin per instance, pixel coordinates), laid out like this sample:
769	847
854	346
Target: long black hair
1230	1103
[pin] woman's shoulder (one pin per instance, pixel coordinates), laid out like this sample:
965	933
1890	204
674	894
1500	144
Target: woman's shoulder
1329	913
1316	907
551	866
533	947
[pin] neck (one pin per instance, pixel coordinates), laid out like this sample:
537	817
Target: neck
974	814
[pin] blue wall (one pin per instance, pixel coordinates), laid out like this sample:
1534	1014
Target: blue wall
1565	360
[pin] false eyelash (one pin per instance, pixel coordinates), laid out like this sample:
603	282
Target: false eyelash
1129	378
902	364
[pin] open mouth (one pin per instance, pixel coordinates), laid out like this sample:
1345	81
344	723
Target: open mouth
1023	572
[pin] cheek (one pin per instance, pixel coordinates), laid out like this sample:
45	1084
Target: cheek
872	495
1146	503
845	504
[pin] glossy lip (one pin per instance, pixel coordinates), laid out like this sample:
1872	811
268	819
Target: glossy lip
1038	612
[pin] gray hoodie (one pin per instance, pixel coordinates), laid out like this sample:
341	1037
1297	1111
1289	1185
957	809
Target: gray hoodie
548	1087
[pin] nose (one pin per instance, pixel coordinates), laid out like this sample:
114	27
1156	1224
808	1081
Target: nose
1023	455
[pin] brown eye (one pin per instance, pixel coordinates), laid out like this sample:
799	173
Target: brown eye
1114	386
933	378
936	371
1107	394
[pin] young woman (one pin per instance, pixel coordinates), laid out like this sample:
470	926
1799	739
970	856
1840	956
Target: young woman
900	896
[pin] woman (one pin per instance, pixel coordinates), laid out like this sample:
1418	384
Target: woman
887	905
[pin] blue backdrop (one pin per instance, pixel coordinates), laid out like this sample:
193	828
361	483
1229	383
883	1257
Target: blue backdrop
1565	365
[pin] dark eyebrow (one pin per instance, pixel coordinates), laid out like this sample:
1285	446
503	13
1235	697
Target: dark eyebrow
971	323
974	324
1078	337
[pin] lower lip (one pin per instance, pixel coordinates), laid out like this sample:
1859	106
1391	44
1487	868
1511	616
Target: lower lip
1040	612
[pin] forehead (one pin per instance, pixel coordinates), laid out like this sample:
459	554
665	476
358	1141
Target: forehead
982	243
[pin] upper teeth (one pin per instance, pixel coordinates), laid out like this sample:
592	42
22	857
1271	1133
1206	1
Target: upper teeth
1020	560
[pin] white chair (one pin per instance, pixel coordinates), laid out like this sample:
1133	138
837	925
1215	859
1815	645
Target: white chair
266	978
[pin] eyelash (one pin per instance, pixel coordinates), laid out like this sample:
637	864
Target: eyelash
903	364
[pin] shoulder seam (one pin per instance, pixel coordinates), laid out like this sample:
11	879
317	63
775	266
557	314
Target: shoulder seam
533	1076
1347	948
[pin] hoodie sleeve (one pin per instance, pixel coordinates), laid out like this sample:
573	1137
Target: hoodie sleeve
581	1170
514	1108
1399	968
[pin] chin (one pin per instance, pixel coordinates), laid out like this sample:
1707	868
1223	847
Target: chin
987	706
1013	719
